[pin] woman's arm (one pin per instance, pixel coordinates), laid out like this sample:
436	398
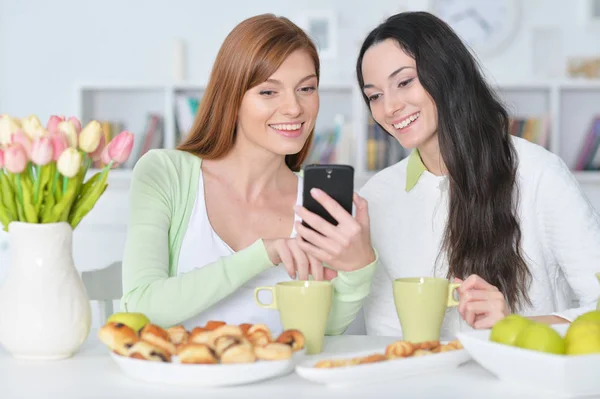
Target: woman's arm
147	286
571	231
350	290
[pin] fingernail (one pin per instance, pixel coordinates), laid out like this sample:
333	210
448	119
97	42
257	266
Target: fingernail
315	192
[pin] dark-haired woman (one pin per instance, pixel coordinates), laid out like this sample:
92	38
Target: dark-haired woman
472	203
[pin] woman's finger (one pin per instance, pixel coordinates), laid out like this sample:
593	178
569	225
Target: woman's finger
300	260
318	240
332	206
317	252
476	295
317	223
475	282
316	268
287	259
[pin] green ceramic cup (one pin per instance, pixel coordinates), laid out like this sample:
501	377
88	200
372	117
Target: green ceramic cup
421	304
304	306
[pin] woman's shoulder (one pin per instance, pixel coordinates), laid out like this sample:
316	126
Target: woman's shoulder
167	161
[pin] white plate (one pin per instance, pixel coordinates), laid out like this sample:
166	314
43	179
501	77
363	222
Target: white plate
566	375
205	375
385	370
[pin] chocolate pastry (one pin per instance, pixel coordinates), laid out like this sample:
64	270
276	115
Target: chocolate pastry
146	351
201	335
293	338
118	337
197	354
213	324
157	336
273	351
224	342
245	327
238	354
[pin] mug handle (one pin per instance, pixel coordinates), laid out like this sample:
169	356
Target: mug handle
272	305
451	288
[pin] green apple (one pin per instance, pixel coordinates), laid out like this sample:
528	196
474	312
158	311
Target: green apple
594	315
506	330
135	321
542	338
587	342
581	327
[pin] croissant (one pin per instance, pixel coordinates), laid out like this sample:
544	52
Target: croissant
259	335
399	349
157	336
118	337
293	338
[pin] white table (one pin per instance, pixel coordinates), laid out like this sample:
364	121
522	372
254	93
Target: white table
91	373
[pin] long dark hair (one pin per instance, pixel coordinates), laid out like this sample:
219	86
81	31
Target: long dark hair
482	235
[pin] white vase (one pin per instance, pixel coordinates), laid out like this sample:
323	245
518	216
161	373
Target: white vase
45	312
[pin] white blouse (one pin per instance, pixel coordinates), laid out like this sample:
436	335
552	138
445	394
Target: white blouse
560	238
201	246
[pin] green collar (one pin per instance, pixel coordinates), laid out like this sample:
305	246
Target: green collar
414	169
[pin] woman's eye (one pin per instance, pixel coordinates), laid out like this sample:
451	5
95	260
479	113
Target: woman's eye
266	92
308	89
373	97
405	82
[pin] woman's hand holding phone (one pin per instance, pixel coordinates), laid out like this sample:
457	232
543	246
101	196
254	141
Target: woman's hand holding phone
297	262
345	247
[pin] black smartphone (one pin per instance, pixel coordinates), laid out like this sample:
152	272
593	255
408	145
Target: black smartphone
336	180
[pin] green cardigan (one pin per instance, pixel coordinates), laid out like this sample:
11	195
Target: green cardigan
164	186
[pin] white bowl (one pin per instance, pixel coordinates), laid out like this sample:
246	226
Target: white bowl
565	375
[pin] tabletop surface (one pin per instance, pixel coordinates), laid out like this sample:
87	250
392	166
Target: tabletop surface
91	373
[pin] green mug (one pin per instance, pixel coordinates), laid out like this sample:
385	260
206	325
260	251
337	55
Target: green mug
303	306
421	304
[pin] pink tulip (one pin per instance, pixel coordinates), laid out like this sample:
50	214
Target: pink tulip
75	123
59	144
15	158
120	147
1	157
41	151
24	140
105	158
53	122
97	154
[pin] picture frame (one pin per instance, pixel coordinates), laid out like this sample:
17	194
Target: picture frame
321	26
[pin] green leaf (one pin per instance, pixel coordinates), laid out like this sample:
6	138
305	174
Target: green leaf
8	195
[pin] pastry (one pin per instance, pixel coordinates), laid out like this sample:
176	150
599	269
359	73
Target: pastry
227	329
427	345
197	354
213	325
333	363
399	349
245	327
146	351
178	336
224	342
201	335
118	337
293	338
450	346
422	352
273	351
238	354
259	335
157	336
374	358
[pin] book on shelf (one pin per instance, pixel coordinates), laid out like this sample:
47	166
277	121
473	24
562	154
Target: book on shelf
383	150
151	137
588	157
533	129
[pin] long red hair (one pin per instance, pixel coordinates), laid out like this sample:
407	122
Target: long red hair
250	54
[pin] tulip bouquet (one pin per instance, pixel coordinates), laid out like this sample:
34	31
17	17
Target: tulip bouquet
43	169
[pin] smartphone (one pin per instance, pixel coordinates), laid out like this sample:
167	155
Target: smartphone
336	180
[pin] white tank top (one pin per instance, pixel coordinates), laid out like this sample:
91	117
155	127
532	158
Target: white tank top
201	246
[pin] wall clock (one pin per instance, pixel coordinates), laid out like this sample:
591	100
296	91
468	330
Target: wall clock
486	26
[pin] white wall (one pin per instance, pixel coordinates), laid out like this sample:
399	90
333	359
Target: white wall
46	47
